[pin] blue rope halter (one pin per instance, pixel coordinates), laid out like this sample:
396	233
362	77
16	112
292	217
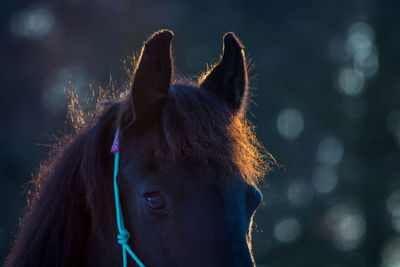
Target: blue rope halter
124	235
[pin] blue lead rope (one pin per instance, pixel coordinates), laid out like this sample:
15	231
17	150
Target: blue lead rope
124	235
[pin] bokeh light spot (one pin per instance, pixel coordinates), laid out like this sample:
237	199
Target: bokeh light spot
360	59
330	151
54	96
350	82
290	123
34	22
288	230
396	223
299	193
324	179
368	66
393	203
360	41
347	226
393	124
391	253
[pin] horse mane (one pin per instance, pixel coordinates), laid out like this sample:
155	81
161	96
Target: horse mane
70	195
195	124
72	191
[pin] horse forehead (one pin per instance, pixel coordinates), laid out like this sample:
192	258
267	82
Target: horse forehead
211	178
224	188
140	152
179	86
184	179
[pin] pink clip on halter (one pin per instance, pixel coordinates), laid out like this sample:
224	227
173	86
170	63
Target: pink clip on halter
115	145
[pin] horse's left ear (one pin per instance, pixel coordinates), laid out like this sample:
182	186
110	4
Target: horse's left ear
228	78
151	82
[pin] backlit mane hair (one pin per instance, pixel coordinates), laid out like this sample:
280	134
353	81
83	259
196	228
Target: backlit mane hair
195	124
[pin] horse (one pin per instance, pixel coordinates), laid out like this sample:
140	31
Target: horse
188	170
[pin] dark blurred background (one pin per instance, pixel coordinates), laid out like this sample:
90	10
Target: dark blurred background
327	107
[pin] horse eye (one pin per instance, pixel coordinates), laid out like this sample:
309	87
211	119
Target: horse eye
155	201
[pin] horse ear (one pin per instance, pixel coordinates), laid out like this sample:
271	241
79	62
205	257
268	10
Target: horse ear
228	78
151	81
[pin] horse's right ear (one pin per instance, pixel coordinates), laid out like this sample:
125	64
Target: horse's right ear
228	78
151	82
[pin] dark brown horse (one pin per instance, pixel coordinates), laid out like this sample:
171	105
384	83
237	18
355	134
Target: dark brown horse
189	165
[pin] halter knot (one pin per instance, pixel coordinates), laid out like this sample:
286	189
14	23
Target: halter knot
123	237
